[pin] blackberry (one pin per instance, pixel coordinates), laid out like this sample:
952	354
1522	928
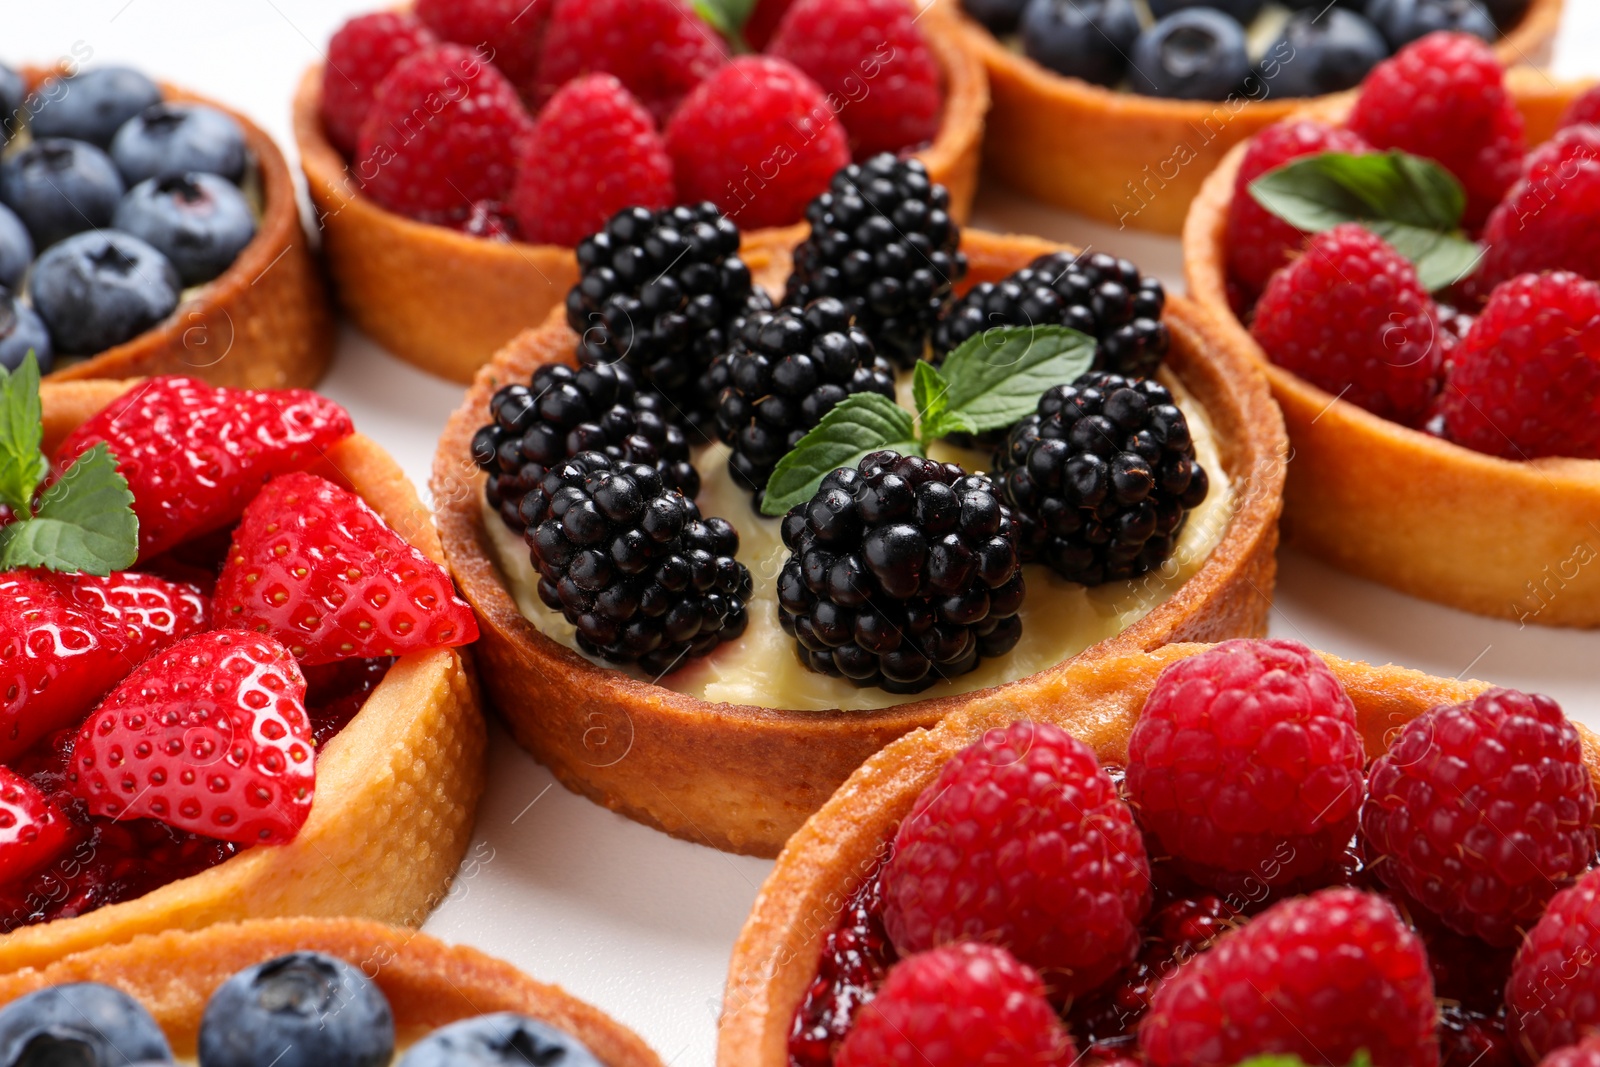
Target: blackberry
1102	478
658	290
1099	295
787	369
630	562
882	240
901	571
564	412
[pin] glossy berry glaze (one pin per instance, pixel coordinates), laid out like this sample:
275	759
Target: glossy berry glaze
1469	976
113	860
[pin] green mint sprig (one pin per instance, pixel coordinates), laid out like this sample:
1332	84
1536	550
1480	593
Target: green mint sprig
1413	203
84	521
727	17
991	380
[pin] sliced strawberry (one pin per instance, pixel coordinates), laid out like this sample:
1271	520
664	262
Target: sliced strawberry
318	569
195	454
209	736
32	832
65	640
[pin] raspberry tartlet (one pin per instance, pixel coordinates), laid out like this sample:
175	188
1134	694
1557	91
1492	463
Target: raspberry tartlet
620	104
338	990
1138	160
357	791
210	215
708	637
1244	901
1435	466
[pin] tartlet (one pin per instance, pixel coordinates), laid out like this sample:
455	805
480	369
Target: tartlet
1493	536
397	788
1097	700
743	778
428	983
446	301
264	323
1138	160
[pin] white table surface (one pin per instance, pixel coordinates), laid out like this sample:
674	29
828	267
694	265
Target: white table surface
629	919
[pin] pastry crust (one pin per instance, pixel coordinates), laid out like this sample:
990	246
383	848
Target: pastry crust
1138	160
397	788
1493	536
1097	699
743	778
447	301
264	323
428	983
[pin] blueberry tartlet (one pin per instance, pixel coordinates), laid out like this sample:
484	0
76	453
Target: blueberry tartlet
145	230
705	609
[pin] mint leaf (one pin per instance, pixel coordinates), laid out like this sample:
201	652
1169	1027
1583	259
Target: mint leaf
727	17
84	522
1413	203
996	377
22	466
1361	1059
928	391
857	425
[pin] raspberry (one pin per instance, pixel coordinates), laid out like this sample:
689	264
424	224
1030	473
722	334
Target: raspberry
954	1007
759	140
1585	110
870	56
1553	997
1351	317
659	49
1246	763
1321	977
763	22
855	956
1481	810
1471	1039
1550	220
1526	381
1444	97
443	132
511	30
592	152
359	55
1022	841
1258	241
1585	1053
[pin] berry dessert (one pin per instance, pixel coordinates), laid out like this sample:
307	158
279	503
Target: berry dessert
1435	346
300	992
451	229
1195	856
1162	89
145	231
257	686
706	530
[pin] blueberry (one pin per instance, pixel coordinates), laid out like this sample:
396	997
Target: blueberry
199	221
59	188
501	1040
175	138
1243	10
1195	54
101	288
1403	21
1327	53
999	17
84	1024
92	106
16	248
22	331
12	93
1087	39
300	1010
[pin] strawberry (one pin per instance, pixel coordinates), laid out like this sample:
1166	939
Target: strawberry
209	736
317	568
32	831
65	640
194	454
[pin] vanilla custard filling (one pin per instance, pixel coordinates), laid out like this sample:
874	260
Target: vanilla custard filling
1059	618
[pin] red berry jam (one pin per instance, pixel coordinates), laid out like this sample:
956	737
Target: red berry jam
855	957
